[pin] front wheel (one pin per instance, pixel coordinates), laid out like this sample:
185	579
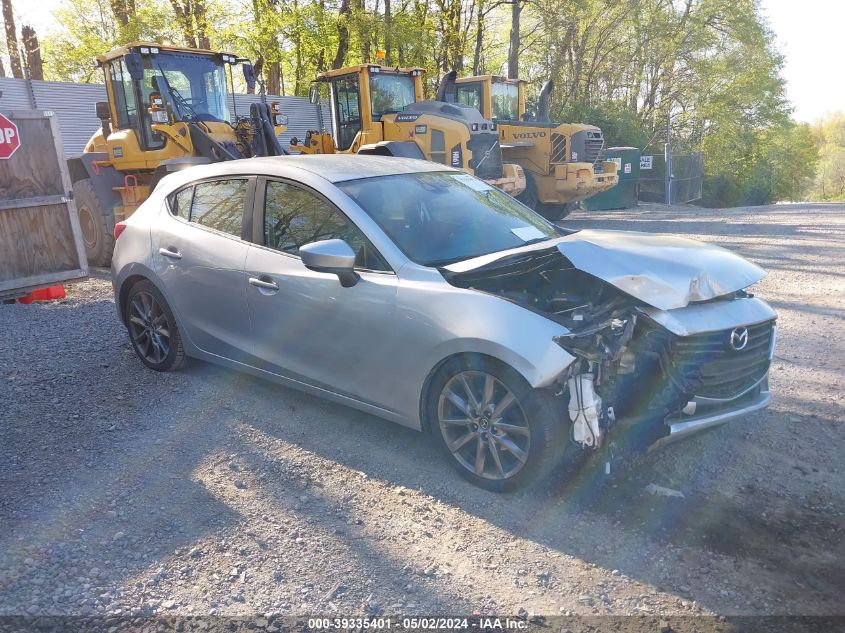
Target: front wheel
495	429
152	328
96	219
555	211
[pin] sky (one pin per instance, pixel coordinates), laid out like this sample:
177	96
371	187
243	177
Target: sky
807	33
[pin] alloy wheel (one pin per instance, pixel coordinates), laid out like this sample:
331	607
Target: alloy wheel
484	425
149	328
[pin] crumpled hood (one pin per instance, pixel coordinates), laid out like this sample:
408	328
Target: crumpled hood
663	271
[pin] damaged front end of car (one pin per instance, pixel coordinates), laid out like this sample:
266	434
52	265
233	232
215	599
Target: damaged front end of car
648	373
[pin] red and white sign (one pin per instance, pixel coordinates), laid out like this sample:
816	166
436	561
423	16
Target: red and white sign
9	139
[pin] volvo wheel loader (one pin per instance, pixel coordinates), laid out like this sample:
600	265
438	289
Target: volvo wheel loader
168	108
380	110
563	161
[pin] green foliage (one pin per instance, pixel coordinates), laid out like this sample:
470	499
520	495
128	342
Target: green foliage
623	65
829	137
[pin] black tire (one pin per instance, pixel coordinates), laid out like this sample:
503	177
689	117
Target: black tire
96	219
529	196
155	338
543	415
555	212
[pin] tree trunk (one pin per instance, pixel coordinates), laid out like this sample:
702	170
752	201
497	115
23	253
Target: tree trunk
33	52
513	49
479	39
12	40
342	35
274	79
388	31
2	68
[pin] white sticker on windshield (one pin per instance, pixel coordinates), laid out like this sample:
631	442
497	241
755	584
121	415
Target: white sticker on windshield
473	183
528	233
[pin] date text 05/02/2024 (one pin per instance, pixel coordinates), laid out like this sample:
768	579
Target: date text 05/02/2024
478	623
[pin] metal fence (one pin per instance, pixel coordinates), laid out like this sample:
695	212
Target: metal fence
685	182
74	108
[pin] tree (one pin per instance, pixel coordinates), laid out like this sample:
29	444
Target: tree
12	40
33	52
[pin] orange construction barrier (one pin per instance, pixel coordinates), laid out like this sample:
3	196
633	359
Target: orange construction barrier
44	294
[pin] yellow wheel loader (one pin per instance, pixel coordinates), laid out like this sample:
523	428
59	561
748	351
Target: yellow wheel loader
168	108
379	110
563	161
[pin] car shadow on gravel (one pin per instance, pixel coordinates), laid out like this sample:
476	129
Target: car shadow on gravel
619	527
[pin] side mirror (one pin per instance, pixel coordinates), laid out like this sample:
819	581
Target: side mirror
135	65
331	256
103	112
249	76
314	93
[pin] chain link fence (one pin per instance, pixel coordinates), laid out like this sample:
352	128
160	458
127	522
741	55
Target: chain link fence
686	178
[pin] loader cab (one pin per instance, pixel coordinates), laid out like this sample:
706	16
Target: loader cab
497	98
361	95
149	84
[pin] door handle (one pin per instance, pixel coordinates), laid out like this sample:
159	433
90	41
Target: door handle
170	252
263	283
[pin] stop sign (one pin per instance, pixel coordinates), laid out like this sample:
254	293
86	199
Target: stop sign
9	139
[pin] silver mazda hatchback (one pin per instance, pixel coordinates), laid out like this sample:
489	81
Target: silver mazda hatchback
420	294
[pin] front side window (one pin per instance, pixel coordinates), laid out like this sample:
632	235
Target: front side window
444	217
347	108
505	101
294	216
390	93
470	95
219	205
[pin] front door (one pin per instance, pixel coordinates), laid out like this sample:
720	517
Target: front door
307	326
346	92
199	254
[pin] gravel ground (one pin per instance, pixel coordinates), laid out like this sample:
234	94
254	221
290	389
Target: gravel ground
124	491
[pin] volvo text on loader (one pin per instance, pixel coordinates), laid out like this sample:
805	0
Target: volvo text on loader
168	108
380	110
563	161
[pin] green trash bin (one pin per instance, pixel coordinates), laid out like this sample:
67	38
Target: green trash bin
624	194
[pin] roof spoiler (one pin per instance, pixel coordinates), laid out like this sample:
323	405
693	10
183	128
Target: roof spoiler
544	101
447	91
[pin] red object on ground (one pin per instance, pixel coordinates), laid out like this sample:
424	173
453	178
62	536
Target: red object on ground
44	294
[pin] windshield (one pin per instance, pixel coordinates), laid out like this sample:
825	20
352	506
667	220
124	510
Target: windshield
198	84
390	93
505	101
444	217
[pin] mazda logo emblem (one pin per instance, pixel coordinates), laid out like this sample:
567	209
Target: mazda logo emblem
739	338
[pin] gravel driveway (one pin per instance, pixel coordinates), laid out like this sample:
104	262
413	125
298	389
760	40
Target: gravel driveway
124	491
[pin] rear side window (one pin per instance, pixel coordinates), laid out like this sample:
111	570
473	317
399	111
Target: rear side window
218	204
180	205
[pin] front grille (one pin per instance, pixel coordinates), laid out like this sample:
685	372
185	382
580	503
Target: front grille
593	146
486	159
558	154
706	365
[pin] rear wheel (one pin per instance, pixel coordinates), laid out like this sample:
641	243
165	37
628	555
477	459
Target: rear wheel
495	429
152	328
529	196
96	220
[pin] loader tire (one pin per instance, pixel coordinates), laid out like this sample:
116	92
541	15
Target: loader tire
529	195
555	212
96	220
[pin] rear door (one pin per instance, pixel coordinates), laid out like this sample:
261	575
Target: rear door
307	326
200	249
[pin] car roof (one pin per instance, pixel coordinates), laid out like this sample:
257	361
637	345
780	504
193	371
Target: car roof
332	167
